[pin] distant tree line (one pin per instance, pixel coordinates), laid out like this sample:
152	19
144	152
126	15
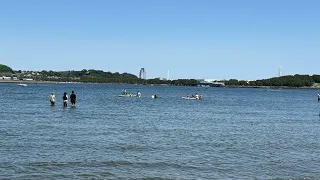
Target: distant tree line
98	76
289	81
177	82
86	73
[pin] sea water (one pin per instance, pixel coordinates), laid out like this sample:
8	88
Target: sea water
232	133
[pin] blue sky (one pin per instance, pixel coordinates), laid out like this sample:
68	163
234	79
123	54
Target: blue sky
245	39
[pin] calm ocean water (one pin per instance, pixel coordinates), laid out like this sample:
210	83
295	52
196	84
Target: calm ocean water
231	134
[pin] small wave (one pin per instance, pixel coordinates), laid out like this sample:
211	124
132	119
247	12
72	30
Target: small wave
132	147
44	126
116	163
87	175
43	176
8	134
306	178
155	178
145	164
58	164
106	174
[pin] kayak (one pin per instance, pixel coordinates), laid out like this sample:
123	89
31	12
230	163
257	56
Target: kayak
189	98
132	95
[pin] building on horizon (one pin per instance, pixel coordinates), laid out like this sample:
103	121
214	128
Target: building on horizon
210	83
142	74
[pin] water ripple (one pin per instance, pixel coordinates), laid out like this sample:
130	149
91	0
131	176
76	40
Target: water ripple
231	134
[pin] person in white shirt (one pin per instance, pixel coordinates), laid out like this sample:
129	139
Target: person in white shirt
124	92
52	98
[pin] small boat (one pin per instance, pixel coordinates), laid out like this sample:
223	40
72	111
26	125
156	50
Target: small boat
24	85
127	95
190	98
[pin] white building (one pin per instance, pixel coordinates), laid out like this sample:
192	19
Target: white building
28	79
6	78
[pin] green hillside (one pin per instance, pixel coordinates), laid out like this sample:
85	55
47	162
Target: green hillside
5	69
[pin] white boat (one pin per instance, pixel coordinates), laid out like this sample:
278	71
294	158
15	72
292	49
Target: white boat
24	85
190	98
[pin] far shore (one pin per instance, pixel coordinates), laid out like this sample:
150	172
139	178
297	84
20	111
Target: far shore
273	87
227	86
27	82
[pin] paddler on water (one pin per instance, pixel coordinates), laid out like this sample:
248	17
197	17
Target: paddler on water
52	98
318	97
197	96
138	94
124	92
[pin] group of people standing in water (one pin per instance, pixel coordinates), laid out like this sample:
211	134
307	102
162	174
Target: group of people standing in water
197	96
73	99
124	92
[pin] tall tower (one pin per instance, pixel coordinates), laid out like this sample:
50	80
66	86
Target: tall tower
142	74
280	71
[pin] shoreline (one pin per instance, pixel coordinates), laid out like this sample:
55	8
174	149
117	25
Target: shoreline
227	86
274	87
28	82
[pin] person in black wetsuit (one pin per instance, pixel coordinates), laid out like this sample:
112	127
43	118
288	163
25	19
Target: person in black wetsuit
73	99
65	99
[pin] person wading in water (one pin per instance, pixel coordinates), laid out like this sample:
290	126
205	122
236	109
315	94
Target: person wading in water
52	98
73	99
65	99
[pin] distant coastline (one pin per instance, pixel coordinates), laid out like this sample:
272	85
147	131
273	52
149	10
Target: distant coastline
28	82
91	76
274	87
227	86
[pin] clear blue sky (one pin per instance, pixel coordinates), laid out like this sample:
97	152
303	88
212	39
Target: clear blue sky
243	39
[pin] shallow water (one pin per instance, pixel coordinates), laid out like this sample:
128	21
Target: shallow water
230	134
